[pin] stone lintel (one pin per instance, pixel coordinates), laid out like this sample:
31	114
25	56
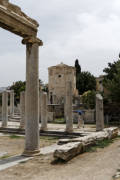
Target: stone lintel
32	40
15	21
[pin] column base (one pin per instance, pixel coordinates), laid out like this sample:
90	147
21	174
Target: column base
31	153
22	127
43	129
69	130
98	130
3	127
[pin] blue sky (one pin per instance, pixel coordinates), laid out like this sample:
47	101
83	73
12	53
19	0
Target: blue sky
88	30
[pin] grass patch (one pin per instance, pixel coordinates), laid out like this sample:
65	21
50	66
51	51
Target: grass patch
13	136
99	144
50	138
59	121
118	137
5	157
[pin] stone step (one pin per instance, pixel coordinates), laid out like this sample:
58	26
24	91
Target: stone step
45	133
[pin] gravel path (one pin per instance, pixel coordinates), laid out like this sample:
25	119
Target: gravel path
100	165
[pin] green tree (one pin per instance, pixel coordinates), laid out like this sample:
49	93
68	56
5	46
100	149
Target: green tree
112	81
18	87
85	81
78	67
88	99
111	70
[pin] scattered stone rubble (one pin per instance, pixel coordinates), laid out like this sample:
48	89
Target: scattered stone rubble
73	147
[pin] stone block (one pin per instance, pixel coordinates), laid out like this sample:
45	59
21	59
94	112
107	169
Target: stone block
78	145
50	116
68	151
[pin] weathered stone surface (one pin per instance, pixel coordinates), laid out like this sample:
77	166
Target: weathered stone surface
58	76
40	96
4	109
68	151
112	132
50	116
16	21
68	107
32	100
77	145
22	109
43	112
12	103
108	133
99	113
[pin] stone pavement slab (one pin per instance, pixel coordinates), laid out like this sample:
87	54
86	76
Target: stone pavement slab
12	161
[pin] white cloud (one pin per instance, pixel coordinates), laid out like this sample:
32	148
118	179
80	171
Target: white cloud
88	30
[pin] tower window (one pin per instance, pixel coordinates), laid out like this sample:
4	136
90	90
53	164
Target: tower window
59	76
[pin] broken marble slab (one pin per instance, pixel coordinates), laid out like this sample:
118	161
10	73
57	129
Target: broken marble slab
107	133
78	145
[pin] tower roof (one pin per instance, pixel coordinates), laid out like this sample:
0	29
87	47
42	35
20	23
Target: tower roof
61	65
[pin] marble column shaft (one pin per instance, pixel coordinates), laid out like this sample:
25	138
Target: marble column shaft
43	111
40	96
68	107
12	102
32	97
4	109
99	113
22	110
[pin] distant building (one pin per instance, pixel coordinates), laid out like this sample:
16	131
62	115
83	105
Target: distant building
58	76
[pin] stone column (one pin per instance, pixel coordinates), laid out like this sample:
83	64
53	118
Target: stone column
4	109
12	103
99	113
44	112
40	96
22	110
32	97
68	107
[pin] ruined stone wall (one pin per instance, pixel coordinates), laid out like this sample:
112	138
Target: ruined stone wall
89	116
58	76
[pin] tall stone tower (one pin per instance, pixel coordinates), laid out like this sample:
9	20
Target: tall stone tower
58	76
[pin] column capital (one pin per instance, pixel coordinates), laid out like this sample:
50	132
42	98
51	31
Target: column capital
32	40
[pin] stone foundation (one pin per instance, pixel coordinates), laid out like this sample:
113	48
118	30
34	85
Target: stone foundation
73	147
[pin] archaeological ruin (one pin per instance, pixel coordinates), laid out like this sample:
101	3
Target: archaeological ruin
58	76
17	22
49	121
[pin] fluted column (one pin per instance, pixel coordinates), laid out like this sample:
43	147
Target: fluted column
43	112
32	97
22	110
68	107
4	109
12	103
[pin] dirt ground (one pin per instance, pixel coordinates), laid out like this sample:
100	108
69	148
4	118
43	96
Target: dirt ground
14	145
100	165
